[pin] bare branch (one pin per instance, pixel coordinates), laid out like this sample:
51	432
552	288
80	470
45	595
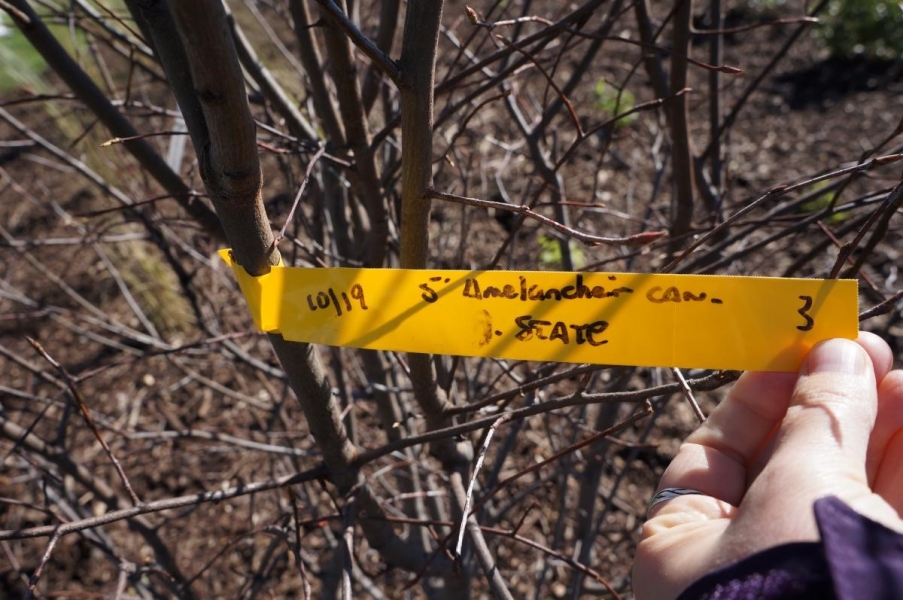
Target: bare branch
706	383
86	414
373	52
774	193
881	308
468	496
165	504
688	394
481	549
639	239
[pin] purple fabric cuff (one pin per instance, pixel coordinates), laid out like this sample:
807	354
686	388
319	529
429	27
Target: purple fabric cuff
856	558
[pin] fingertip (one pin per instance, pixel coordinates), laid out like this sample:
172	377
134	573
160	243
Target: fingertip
891	387
888	447
879	352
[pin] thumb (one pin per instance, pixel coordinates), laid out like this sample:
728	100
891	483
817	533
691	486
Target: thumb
820	447
826	430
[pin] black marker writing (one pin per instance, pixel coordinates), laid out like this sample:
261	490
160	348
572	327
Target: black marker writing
429	294
329	298
546	330
525	291
673	294
810	322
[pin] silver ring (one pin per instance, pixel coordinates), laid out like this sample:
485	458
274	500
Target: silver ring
669	494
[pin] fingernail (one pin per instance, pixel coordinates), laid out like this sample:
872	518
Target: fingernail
836	356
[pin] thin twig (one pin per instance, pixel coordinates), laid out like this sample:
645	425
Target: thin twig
486	559
122	582
347	545
834	240
616	38
847	249
320	472
82	406
291	213
751	26
641	414
561	95
573	448
729	120
775	192
688	394
104	211
33	581
540	38
511	534
558	555
224	438
132	138
472	16
465	513
522	389
15	13
882	308
299	563
706	383
573	147
335	14
639	239
888	209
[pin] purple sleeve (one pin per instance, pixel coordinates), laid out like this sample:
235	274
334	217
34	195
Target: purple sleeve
856	558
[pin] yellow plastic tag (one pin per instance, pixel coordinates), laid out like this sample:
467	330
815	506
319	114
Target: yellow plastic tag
687	321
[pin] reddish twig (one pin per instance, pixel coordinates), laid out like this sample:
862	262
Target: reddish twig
882	215
33	580
616	38
132	138
834	240
775	192
639	239
530	57
882	308
82	406
291	213
688	394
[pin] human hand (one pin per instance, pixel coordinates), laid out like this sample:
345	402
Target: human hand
777	443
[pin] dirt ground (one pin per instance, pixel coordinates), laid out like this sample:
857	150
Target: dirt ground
202	406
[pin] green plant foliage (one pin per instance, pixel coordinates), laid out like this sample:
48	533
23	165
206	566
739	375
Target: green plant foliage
550	253
612	101
848	28
872	28
821	202
20	64
765	5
